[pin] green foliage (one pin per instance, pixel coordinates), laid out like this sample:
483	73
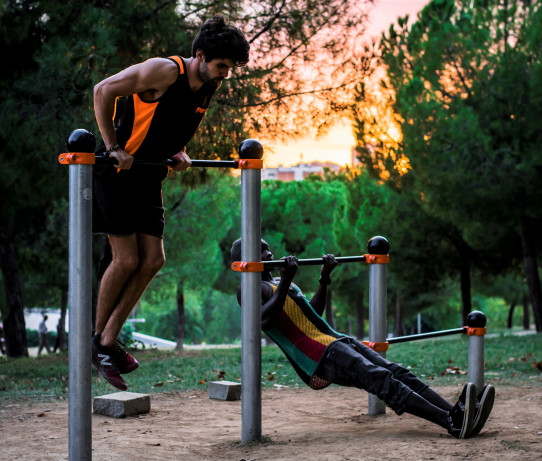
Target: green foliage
463	76
33	338
460	80
299	217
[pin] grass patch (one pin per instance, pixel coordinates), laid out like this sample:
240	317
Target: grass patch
509	361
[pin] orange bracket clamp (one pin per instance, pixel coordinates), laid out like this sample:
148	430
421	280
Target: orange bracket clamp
243	266
377	259
250	164
377	347
81	158
472	331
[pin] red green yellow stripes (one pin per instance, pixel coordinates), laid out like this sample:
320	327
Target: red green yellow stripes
302	334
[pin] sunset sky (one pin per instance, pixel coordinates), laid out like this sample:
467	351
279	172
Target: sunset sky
337	145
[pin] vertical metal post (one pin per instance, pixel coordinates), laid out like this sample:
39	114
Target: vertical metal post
476	322
378	327
80	295
251	404
80	309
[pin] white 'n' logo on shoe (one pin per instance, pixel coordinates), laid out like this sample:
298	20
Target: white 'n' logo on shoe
105	359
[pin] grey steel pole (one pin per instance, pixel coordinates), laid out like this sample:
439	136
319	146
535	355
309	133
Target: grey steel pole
79	300
378	328
476	322
251	404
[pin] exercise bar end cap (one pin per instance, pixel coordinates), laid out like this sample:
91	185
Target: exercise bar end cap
378	246
250	149
476	319
81	140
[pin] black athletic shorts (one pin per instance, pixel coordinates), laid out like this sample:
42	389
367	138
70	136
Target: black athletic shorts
128	201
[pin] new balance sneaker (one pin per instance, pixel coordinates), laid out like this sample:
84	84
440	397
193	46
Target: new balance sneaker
103	360
461	416
484	405
126	363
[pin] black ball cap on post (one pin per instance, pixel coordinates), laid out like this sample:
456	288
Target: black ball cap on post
250	149
476	319
81	140
378	246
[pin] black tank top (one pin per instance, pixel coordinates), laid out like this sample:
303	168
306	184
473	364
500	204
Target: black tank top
159	129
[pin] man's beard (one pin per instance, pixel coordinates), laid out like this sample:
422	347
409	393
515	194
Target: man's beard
205	76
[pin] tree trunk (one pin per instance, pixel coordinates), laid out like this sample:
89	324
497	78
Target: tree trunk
62	342
526	320
329	308
510	321
14	324
398	329
466	305
531	269
360	314
180	316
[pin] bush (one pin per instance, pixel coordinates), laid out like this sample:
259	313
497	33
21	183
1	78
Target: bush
33	338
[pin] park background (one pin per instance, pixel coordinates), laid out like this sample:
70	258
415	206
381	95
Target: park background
442	158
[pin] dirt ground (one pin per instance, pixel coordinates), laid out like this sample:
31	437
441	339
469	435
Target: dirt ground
297	424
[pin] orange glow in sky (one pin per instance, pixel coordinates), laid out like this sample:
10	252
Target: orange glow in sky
337	145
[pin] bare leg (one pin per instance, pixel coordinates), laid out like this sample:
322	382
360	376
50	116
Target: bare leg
118	303
123	264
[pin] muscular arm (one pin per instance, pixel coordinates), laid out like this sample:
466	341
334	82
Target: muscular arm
318	301
154	75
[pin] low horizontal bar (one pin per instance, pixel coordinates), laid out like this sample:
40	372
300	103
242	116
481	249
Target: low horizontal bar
433	334
100	159
315	261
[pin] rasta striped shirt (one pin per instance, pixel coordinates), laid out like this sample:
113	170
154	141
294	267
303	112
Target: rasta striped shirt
160	128
302	335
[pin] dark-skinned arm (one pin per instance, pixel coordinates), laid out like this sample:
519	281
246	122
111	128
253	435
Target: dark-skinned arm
318	301
273	303
272	307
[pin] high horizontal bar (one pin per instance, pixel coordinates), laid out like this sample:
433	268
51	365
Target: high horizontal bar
433	334
315	261
170	162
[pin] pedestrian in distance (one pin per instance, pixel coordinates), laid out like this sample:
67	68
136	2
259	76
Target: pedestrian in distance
166	100
42	332
322	356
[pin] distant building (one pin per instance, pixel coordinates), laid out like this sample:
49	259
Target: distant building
298	172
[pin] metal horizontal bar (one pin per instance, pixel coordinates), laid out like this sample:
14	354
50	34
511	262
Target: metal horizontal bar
170	162
433	334
315	261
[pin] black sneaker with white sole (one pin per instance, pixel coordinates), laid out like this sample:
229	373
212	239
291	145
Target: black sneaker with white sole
484	405
461	416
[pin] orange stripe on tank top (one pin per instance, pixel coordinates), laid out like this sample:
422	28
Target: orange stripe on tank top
180	62
143	113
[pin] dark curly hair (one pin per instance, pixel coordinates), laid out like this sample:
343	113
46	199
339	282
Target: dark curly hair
218	39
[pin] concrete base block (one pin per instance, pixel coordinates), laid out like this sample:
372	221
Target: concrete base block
122	404
224	390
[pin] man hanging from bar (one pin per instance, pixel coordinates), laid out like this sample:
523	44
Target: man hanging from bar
321	356
167	99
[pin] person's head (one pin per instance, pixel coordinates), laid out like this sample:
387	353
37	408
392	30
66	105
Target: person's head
218	48
45	317
220	40
235	251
